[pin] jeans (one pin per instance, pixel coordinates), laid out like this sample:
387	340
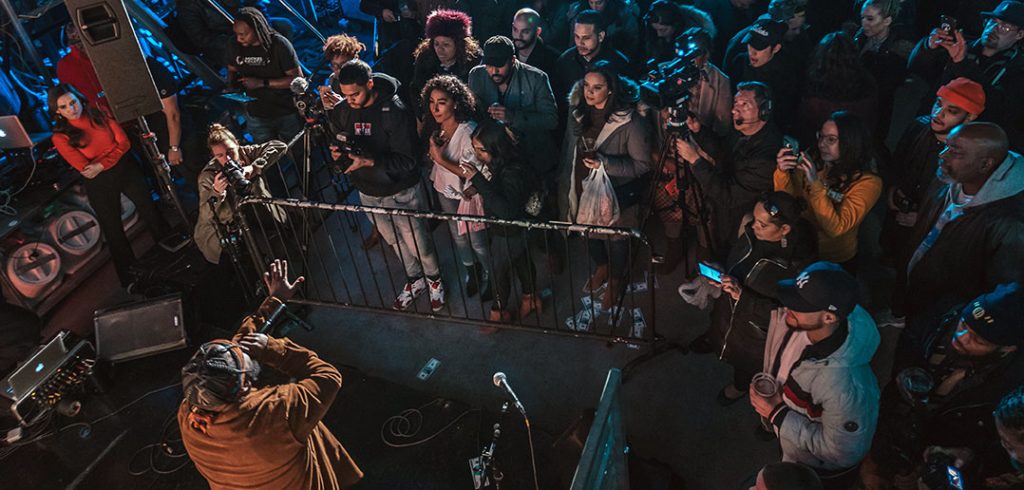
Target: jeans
284	128
409	237
470	244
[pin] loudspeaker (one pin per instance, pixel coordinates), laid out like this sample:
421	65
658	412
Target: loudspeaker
140	329
109	40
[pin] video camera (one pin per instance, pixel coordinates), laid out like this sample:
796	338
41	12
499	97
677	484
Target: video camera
346	145
306	101
670	84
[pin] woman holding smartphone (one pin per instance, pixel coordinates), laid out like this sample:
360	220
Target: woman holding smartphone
775	243
837	181
448	131
97	147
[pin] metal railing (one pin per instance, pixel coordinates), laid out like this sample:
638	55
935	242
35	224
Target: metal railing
324	242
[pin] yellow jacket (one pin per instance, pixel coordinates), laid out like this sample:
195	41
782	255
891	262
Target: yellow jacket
837	222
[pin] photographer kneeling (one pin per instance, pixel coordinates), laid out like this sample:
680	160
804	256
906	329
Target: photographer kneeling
233	170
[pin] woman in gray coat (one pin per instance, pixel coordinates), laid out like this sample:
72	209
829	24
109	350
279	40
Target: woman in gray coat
605	130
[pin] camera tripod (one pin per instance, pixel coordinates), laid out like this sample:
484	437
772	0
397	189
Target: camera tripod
166	186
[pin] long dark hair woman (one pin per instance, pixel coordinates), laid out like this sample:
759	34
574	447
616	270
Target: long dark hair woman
838	181
776	243
448	48
836	81
448	129
505	185
606	132
97	147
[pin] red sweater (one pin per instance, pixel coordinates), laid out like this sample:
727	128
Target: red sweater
103	144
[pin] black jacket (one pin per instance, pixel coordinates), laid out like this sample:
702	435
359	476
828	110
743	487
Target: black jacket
386	132
744	168
973	253
912	169
740	329
505	195
570	67
543	57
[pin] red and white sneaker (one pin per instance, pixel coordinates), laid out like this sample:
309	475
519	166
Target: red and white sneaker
410	292
436	294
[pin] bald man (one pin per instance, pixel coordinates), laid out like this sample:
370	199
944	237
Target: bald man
970	234
528	36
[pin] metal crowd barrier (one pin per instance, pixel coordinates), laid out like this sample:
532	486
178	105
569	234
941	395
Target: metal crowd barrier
323	241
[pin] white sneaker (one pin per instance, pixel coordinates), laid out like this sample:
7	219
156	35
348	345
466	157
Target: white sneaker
410	292
436	295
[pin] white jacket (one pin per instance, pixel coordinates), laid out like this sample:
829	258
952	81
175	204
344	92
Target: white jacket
832	403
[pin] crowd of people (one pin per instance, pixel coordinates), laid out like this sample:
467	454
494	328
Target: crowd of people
799	158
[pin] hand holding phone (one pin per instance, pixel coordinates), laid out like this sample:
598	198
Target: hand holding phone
710	272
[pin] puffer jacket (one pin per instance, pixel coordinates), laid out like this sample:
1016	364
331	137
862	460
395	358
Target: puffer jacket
831	404
625	142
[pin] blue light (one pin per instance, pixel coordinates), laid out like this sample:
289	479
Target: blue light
39	367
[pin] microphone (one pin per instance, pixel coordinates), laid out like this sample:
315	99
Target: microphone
299	85
501	381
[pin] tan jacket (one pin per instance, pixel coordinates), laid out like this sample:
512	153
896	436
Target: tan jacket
273	438
260	156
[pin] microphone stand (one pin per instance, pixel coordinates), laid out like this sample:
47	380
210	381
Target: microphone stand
491	472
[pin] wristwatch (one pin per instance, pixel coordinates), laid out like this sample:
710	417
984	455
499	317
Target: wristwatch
174	148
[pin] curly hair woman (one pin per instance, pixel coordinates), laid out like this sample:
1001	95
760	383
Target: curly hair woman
449	49
836	81
448	132
97	147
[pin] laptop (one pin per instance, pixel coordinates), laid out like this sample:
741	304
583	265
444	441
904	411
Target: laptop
13	135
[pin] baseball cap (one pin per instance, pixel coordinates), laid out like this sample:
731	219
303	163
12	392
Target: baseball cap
1008	11
822	286
998	316
765	33
498	50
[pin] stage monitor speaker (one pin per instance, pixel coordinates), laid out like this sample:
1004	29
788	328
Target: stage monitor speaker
109	40
141	329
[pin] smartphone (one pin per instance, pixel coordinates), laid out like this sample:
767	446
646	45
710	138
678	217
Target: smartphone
954	477
947	24
710	272
791	144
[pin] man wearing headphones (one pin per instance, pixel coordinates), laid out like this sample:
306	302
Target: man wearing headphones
735	168
269	438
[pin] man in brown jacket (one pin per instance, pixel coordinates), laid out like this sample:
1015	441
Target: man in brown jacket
263	438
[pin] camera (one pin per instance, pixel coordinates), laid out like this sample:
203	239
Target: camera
346	145
306	101
670	84
233	172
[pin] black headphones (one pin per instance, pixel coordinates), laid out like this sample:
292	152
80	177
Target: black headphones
763	96
199	374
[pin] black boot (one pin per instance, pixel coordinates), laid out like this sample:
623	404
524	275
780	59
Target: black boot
473	279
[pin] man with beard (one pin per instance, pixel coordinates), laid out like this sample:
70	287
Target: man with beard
530	46
969	362
916	158
993	60
969	236
520	96
590	47
818	351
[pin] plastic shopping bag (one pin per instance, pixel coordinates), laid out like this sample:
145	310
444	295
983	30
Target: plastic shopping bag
598	205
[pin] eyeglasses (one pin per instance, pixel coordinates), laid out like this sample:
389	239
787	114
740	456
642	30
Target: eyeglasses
1002	27
827	138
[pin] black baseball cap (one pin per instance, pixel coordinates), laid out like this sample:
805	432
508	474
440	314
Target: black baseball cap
498	50
765	33
1009	11
822	286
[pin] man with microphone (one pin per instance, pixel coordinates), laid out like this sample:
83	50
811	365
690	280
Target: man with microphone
735	168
